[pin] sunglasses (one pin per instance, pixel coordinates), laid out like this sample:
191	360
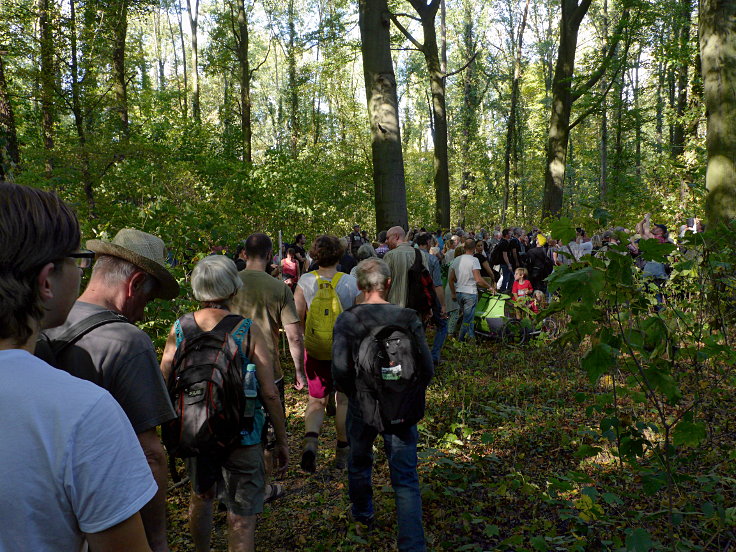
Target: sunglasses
82	259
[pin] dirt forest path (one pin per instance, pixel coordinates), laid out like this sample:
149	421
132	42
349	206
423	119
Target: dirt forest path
500	467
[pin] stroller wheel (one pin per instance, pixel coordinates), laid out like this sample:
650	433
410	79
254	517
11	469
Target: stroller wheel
513	333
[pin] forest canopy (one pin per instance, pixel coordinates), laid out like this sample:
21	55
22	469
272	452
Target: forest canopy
252	114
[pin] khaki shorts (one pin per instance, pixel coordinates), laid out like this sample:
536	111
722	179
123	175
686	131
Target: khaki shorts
241	477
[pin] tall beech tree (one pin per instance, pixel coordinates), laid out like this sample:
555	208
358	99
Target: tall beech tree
427	14
242	42
718	63
511	151
193	22
8	136
47	75
383	111
119	13
564	95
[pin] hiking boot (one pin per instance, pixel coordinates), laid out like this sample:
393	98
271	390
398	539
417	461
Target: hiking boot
309	456
341	457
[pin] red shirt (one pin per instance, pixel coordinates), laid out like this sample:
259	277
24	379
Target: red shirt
521	289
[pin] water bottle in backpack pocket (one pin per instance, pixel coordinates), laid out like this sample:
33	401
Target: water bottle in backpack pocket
253	415
206	387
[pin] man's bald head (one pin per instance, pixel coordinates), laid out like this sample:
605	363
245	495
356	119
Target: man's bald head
395	236
469	245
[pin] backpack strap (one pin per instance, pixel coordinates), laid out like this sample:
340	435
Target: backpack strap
336	279
238	334
82	328
186	327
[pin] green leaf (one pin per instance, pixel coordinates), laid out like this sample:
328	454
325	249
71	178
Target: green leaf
587	451
539	543
492	530
638	541
653	482
663	381
564	230
652	250
688	433
598	361
602	216
611	498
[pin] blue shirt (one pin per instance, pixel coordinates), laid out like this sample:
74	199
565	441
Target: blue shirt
71	463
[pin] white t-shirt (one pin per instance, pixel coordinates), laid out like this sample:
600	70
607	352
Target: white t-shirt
581	249
463	267
71	463
347	289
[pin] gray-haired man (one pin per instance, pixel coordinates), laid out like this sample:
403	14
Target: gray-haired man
129	272
400	443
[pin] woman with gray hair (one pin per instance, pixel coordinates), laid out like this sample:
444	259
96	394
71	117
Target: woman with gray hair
365	251
215	282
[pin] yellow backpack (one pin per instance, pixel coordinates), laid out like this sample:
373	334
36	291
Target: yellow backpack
321	318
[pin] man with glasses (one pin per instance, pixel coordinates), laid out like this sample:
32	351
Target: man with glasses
72	467
129	272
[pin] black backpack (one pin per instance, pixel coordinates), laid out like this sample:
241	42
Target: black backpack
420	293
206	388
389	386
62	352
496	254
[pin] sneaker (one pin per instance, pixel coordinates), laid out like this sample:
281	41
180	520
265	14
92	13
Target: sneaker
341	457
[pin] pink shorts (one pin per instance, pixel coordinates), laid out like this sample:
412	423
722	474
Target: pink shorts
319	376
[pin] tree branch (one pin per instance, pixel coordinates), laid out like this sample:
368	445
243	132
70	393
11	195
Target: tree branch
610	55
414	17
580	11
405	32
262	62
472	58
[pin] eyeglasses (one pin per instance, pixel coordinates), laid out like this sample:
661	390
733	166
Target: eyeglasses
82	259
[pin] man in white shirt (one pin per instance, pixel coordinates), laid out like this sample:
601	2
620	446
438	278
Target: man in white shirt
73	469
464	277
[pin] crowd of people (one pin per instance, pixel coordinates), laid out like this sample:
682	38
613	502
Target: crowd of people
82	457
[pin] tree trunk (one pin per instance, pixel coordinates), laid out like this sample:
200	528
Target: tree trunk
183	61
78	114
47	83
718	63
468	118
678	135
380	84
160	62
637	118
293	86
427	14
439	116
563	96
120	82
562	100
8	137
193	19
245	101
604	116
518	41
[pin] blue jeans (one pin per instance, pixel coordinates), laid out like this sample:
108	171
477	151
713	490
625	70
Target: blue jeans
467	302
508	278
441	335
401	451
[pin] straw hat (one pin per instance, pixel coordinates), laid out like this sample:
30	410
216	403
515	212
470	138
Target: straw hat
145	251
